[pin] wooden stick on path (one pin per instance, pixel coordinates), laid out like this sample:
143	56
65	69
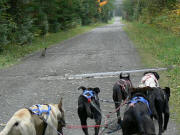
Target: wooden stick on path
112	74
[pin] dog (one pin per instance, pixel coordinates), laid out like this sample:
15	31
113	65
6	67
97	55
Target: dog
138	115
46	119
89	107
120	92
150	79
160	100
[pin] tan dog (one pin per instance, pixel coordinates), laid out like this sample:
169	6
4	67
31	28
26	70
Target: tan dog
26	122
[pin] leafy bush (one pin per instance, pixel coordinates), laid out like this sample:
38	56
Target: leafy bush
22	20
135	9
4	35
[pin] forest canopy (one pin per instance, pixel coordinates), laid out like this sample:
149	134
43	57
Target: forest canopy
23	20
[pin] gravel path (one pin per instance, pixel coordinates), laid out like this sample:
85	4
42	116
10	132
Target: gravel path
103	49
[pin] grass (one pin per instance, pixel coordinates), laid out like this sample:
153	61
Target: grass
12	53
159	48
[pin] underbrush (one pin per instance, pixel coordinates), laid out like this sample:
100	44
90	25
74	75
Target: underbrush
12	53
160	48
166	19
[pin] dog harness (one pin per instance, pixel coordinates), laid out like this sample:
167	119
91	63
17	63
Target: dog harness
124	84
88	94
140	99
39	111
148	76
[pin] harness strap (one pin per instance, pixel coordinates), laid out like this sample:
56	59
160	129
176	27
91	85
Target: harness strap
35	112
150	76
39	110
141	99
124	83
44	121
88	94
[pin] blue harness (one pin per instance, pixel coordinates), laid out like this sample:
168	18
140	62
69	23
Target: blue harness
39	110
88	94
141	99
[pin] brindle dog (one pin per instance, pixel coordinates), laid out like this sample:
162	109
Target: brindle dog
121	91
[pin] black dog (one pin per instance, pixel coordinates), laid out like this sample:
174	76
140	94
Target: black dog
120	92
138	116
160	99
88	106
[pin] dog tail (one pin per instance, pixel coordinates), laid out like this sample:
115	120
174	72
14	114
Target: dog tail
12	123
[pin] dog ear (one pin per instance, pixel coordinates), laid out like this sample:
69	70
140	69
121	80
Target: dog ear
156	75
96	89
60	104
167	91
128	76
120	76
124	75
82	87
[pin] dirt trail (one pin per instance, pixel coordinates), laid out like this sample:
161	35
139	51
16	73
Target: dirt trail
103	49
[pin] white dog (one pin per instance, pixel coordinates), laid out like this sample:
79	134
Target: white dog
47	119
150	79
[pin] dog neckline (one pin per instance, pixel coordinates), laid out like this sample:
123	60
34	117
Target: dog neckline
88	94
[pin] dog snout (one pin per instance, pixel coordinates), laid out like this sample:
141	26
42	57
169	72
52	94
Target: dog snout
62	122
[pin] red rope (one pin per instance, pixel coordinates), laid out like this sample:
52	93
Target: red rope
116	109
92	126
83	126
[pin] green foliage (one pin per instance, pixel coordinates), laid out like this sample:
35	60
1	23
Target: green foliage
4	35
90	12
106	11
22	20
134	9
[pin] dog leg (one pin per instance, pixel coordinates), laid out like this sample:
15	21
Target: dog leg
118	114
117	97
166	119
160	122
84	123
166	116
27	128
98	122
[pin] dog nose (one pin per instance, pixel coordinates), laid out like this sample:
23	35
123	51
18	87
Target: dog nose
62	122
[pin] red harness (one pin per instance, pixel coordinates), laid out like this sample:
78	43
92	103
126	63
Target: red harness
150	76
124	83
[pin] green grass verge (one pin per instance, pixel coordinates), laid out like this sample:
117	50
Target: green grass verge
12	53
159	48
